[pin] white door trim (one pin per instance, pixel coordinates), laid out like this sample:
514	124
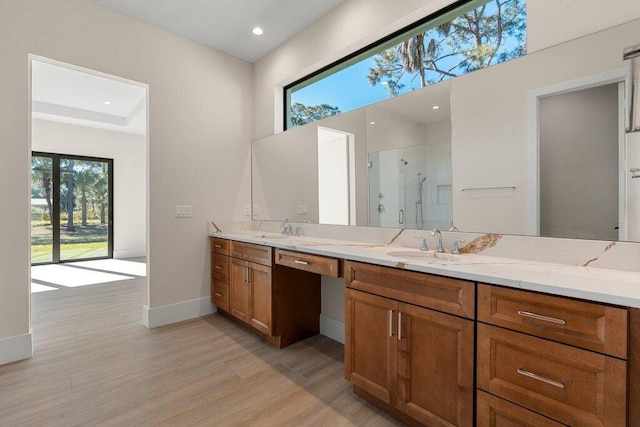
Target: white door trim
532	222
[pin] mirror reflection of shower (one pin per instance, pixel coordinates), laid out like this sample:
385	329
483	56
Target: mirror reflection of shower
419	204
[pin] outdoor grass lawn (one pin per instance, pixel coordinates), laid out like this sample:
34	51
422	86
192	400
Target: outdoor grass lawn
84	242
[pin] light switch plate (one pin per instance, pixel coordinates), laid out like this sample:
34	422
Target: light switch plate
256	210
247	210
183	211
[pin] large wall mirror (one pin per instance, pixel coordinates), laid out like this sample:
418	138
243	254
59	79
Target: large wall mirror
534	146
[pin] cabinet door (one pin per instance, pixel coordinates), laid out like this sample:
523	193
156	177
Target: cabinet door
239	289
261	298
435	367
371	344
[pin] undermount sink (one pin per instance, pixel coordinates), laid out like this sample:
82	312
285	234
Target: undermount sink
428	256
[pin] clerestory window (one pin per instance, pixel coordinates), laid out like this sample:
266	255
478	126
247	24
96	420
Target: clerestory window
465	37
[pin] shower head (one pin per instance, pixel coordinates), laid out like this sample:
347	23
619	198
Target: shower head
404	162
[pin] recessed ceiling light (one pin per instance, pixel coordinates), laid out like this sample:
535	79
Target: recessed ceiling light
435	107
106	102
257	31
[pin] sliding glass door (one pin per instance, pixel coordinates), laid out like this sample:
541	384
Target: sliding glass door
71	208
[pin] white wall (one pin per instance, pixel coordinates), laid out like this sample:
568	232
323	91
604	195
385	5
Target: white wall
128	152
355	24
200	120
489	116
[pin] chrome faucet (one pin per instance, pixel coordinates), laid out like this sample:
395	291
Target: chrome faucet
455	249
423	243
439	248
286	227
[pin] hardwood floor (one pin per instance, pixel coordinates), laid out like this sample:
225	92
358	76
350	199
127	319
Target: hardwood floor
95	364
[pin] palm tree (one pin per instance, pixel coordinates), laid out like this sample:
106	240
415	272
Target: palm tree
474	40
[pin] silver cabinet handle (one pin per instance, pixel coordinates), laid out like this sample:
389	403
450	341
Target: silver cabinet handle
217	246
299	261
540	378
399	326
244	274
390	323
541	317
218	294
401	216
248	275
218	267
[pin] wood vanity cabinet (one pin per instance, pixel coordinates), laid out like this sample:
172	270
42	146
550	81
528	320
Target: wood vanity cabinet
220	272
280	304
537	352
413	361
250	289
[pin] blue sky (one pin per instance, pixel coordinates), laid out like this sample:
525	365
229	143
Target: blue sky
350	88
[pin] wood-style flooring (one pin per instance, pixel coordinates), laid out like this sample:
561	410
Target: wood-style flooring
95	364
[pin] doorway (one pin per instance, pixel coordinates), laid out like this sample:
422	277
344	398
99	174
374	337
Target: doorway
71	208
576	140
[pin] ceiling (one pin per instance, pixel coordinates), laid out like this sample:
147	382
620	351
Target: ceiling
418	105
226	25
69	96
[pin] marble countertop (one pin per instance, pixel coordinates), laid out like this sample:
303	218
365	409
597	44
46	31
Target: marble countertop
589	283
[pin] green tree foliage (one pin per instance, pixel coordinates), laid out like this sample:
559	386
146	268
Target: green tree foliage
487	35
302	114
41	180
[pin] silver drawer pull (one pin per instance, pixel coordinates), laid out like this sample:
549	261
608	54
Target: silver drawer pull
218	294
299	261
390	323
541	317
399	326
540	378
218	267
217	246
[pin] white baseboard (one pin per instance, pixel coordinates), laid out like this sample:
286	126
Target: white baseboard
167	314
130	253
332	328
16	348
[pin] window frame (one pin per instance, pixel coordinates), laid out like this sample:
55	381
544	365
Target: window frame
461	6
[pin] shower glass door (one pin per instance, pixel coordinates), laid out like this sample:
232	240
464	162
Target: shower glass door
78	211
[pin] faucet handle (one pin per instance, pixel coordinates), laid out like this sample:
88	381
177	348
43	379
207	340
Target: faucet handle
298	231
455	249
423	243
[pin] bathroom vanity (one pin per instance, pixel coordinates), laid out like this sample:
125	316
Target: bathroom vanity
441	341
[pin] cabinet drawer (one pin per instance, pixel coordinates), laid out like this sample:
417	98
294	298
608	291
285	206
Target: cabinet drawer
588	325
440	293
220	267
312	263
220	294
220	246
495	412
570	385
250	252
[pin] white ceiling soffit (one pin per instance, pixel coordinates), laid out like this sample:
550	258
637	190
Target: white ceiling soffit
64	95
418	105
226	25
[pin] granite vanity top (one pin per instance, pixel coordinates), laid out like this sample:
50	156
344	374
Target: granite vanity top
583	282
